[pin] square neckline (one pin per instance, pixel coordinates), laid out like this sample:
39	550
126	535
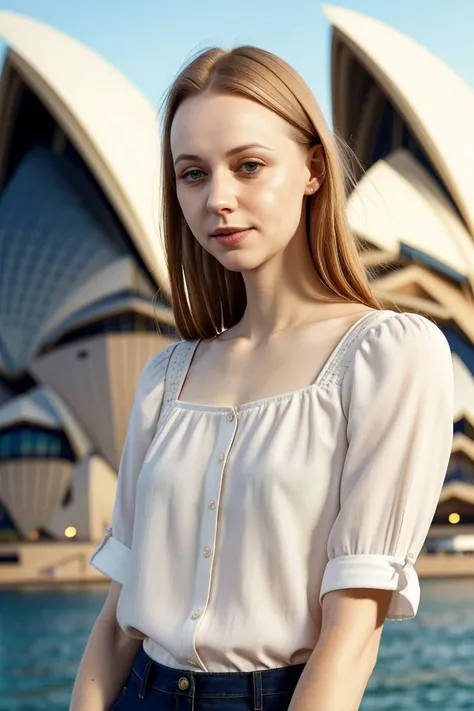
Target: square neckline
271	399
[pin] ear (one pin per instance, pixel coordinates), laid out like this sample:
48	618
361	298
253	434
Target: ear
317	169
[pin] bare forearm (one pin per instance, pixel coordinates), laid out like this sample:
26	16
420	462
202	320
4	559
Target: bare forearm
335	677
105	666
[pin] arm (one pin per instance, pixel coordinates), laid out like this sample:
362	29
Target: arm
342	662
107	660
397	396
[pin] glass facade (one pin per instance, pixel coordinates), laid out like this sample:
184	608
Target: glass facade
130	322
461	469
27	442
415	255
54	234
460	345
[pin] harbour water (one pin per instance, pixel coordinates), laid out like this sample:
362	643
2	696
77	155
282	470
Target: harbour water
426	664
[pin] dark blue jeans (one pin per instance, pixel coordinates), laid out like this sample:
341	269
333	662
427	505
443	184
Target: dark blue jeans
154	687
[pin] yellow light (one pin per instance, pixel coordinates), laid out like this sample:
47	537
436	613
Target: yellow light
70	532
454	518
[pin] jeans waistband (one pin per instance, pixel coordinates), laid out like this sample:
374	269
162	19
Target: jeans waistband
214	684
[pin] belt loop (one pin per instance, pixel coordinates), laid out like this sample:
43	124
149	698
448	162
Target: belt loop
144	684
257	691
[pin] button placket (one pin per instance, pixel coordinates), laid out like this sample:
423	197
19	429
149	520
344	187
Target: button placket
212	493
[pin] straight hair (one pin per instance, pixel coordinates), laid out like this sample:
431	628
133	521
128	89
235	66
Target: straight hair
207	298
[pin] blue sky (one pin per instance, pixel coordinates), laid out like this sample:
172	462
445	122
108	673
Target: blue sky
148	40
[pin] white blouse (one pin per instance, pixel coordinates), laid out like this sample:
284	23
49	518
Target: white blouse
231	523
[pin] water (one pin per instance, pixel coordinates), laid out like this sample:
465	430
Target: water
426	664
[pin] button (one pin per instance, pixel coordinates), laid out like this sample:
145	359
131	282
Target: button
193	662
196	614
230	417
212	504
183	683
221	457
207	552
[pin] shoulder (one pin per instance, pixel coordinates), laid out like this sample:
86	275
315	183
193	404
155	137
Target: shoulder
399	344
411	333
166	367
400	367
155	369
151	383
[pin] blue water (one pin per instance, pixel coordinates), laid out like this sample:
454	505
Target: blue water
426	664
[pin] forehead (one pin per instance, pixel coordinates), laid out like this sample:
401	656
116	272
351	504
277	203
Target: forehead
213	122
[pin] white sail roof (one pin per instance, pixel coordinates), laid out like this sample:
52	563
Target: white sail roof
112	124
436	103
397	202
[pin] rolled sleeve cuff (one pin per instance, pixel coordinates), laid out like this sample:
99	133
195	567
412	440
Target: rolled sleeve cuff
378	572
112	559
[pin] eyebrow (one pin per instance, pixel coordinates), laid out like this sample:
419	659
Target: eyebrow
233	151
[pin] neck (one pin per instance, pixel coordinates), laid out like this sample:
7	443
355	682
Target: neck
284	293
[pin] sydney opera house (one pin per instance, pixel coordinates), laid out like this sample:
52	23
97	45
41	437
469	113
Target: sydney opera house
83	286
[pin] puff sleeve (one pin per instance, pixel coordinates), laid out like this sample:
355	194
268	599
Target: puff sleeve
397	396
111	556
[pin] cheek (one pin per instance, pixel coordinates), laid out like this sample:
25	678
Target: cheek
281	187
271	190
279	201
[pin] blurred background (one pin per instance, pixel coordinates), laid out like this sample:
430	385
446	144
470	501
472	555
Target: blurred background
83	285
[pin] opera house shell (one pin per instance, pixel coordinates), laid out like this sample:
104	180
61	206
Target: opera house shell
409	119
83	288
83	284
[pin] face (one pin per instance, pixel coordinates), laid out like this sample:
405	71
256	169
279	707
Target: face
241	178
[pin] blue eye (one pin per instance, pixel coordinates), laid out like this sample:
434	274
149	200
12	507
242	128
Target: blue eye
192	177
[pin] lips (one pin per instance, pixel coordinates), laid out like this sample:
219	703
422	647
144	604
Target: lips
230	229
228	238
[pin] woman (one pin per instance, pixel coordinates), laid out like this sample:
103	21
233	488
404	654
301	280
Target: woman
284	461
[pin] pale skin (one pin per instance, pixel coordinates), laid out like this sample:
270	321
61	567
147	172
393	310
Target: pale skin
283	340
106	661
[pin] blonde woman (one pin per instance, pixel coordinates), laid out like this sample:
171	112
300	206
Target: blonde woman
284	460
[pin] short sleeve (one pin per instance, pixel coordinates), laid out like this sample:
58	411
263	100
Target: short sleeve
112	555
397	396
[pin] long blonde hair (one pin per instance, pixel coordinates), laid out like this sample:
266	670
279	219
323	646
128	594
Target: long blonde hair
206	297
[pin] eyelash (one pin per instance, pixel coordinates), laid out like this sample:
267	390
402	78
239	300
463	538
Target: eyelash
247	162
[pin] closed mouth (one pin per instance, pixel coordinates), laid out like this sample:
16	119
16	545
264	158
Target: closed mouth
228	238
229	231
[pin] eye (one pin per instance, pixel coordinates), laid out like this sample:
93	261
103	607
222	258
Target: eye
252	167
192	176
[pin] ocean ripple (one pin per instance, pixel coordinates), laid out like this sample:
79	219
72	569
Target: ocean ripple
425	664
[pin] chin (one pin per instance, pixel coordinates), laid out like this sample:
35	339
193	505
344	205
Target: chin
241	262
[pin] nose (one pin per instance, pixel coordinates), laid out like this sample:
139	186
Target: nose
222	195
